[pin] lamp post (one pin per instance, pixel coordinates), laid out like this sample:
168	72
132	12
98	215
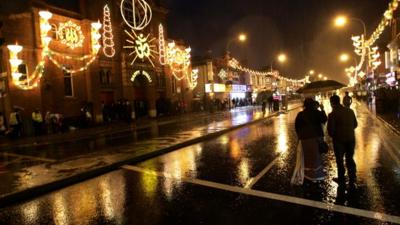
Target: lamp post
241	38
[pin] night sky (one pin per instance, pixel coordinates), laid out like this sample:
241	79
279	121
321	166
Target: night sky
301	28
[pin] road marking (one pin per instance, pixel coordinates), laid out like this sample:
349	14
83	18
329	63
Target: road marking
278	197
29	157
254	180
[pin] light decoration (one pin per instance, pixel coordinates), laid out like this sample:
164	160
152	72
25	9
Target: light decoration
137	14
223	74
108	38
387	17
234	63
374	58
178	60
161	44
141	72
32	81
142	47
193	79
70	34
95	47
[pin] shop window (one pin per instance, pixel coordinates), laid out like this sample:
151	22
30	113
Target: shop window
68	84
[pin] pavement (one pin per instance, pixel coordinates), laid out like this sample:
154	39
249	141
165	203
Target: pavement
239	177
30	169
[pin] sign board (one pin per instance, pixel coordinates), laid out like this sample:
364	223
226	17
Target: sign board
239	88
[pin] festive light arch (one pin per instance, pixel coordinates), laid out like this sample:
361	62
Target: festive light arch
141	72
108	37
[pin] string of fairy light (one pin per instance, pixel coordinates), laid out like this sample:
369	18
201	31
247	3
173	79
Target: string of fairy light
234	64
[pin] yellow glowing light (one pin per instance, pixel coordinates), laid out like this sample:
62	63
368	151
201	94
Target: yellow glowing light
141	72
161	44
344	57
312	72
139	11
193	78
15	49
108	38
242	37
282	58
178	60
340	21
71	34
142	47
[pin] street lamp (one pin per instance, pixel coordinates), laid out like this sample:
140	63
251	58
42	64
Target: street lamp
312	72
341	21
242	37
282	58
320	76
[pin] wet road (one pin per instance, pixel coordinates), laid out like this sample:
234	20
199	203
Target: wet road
242	177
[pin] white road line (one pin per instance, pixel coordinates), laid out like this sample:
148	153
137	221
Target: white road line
29	157
254	180
278	197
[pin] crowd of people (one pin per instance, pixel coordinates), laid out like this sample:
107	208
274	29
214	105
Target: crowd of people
16	127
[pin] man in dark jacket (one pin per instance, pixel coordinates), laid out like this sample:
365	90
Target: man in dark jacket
341	124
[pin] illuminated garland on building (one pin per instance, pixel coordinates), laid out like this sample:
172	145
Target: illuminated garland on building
71	34
32	80
178	59
108	38
142	47
140	13
161	44
192	80
387	17
233	63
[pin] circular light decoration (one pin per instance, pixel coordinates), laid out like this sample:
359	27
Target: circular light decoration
136	13
141	72
71	34
142	47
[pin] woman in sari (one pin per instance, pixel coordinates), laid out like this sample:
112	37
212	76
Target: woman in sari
308	126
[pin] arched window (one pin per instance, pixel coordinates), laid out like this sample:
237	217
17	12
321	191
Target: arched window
54	32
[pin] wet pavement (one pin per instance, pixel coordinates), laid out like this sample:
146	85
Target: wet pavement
25	168
241	177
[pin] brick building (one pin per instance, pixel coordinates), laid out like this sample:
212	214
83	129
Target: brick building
105	81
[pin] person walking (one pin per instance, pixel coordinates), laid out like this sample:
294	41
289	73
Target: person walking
15	123
341	125
347	100
308	125
37	121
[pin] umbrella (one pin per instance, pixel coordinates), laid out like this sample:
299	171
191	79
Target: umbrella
321	86
263	96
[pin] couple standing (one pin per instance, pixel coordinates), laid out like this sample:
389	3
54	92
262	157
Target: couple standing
309	128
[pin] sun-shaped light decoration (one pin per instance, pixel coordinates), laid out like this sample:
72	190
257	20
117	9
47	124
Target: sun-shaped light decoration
142	47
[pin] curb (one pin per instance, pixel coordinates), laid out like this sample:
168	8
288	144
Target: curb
59	140
384	122
33	192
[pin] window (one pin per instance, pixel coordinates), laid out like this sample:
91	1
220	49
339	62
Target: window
161	81
54	32
105	76
68	84
23	70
